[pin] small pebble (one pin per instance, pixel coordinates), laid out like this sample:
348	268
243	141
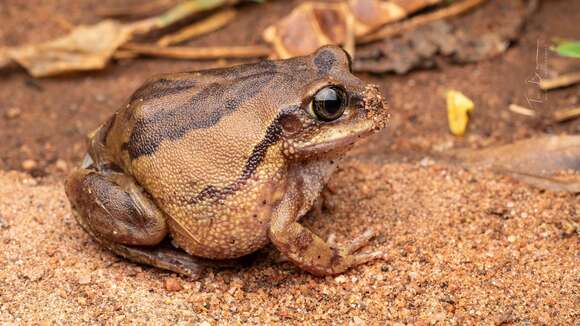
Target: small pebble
62	293
85	279
34	274
3	224
100	97
29	165
172	284
357	320
426	161
12	113
340	279
61	165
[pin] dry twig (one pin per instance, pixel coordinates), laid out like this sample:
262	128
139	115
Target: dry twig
560	81
142	9
407	25
183	52
522	110
567	114
207	25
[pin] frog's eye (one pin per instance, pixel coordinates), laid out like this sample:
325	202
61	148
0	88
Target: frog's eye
328	103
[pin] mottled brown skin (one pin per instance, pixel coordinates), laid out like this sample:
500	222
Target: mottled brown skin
224	161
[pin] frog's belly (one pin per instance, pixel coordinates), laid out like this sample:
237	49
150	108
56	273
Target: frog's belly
224	239
230	227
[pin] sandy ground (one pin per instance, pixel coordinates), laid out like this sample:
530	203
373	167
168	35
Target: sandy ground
465	247
56	114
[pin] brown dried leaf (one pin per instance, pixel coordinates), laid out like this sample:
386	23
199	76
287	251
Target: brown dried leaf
538	156
313	24
85	48
478	36
91	47
561	184
533	160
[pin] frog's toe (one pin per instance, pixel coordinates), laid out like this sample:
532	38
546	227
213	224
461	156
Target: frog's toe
359	242
364	258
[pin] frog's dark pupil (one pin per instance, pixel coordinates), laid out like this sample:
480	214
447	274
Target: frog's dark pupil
329	103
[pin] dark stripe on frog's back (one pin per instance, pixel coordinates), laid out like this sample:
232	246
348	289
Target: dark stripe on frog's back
164	86
258	154
204	109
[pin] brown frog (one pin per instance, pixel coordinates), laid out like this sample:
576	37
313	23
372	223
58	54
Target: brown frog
225	161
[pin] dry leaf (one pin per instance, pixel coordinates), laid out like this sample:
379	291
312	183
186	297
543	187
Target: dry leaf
413	44
458	108
91	47
85	48
561	184
533	161
314	24
390	30
538	156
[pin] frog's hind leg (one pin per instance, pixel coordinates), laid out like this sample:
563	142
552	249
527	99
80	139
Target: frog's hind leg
116	211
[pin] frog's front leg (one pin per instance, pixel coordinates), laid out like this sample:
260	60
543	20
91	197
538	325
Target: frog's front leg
116	211
306	249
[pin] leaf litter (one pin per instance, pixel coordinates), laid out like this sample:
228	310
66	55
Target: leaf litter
475	37
90	47
550	162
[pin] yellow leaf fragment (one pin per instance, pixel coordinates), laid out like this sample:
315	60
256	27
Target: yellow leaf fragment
458	107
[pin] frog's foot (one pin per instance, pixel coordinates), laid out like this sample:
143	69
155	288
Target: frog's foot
312	254
116	211
309	251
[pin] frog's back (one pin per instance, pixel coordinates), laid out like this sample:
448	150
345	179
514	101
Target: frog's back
191	130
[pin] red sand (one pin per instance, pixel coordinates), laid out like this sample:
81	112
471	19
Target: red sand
465	247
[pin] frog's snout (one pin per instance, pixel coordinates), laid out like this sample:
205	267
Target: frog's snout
376	106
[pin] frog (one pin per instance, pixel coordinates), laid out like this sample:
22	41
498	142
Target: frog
214	165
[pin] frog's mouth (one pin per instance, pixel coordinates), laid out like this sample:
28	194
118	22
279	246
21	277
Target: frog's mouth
335	140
